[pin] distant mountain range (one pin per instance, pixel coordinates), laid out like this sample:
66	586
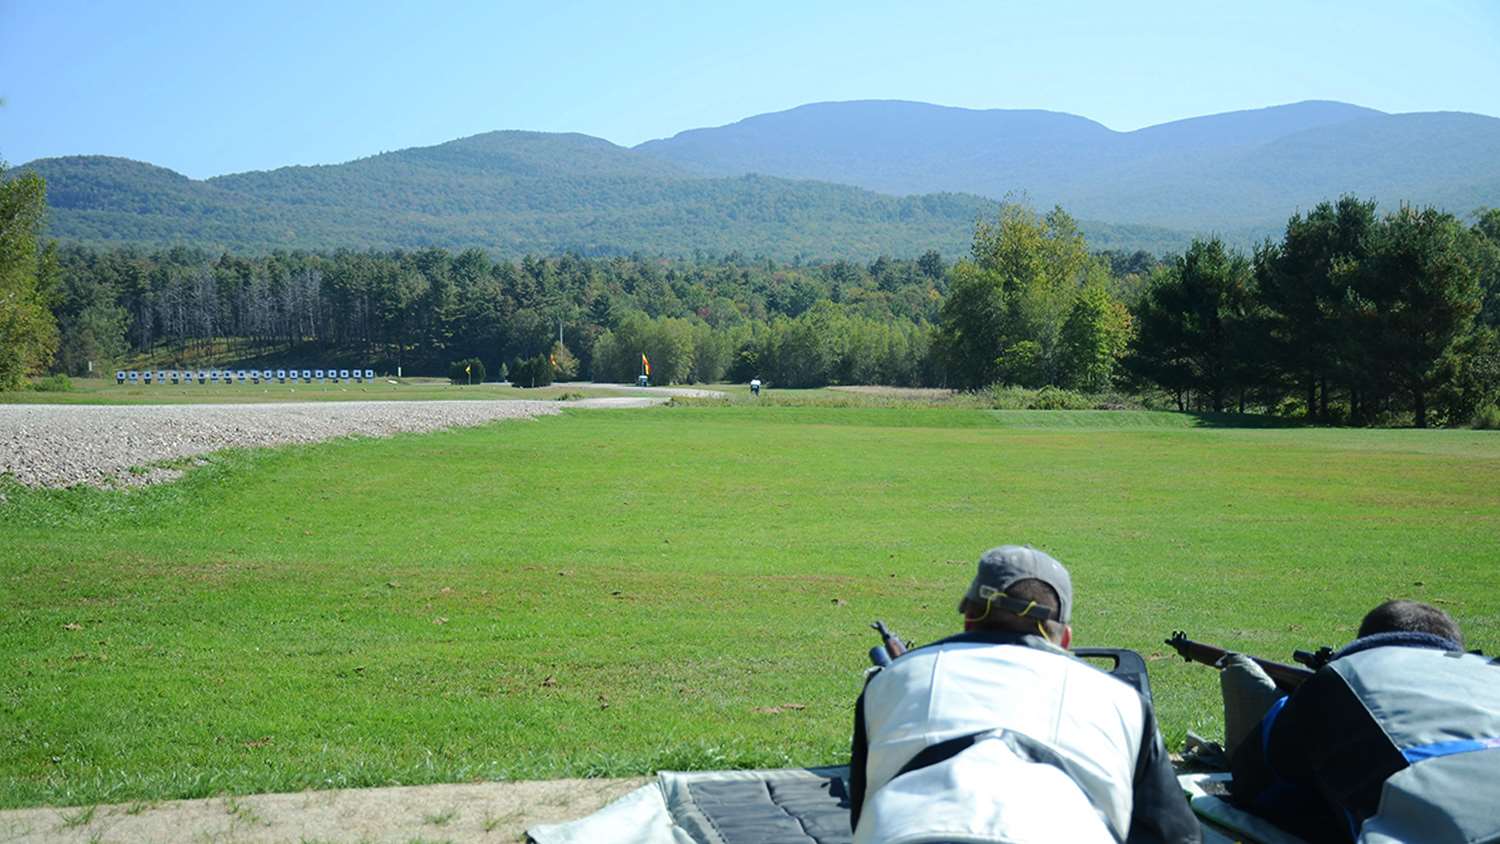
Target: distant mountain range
1234	172
828	180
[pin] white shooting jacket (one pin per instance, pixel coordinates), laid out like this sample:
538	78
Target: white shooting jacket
1055	761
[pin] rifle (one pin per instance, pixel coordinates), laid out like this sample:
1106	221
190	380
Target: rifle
1286	677
1125	666
889	648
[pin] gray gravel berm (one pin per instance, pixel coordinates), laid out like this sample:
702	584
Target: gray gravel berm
67	445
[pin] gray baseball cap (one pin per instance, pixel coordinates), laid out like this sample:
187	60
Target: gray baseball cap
1003	566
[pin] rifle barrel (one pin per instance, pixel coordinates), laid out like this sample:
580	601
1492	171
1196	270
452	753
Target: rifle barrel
1286	677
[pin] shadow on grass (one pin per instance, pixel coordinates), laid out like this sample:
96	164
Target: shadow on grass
961	410
1135	419
1241	420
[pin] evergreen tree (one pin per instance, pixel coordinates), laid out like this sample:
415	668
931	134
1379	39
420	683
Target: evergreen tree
1416	297
1190	321
1302	281
1486	249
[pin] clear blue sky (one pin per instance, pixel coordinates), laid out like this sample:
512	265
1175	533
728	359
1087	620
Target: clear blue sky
215	87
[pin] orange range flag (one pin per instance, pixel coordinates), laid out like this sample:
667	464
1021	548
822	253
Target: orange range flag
645	364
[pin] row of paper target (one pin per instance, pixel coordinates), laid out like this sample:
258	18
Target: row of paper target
254	376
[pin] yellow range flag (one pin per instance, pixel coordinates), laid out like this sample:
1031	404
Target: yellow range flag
645	364
467	367
553	358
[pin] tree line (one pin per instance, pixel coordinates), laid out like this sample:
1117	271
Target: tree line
697	320
1352	317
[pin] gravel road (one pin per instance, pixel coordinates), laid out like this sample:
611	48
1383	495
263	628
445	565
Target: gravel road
66	445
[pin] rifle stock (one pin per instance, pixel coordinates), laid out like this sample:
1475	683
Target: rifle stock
1286	677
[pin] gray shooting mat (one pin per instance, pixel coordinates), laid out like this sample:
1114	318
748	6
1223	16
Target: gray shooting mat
807	806
794	805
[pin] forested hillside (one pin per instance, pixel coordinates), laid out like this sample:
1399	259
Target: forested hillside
514	193
1234	174
825	181
424	309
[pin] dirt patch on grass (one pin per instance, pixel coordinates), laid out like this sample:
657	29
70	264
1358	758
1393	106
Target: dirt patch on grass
484	812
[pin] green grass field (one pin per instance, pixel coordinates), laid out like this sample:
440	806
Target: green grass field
613	592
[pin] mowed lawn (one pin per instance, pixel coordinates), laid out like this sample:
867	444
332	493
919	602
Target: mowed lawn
614	592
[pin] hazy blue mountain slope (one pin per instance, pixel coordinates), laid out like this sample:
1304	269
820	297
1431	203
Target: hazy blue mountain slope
890	146
1441	157
1240	172
1217	132
1449	160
